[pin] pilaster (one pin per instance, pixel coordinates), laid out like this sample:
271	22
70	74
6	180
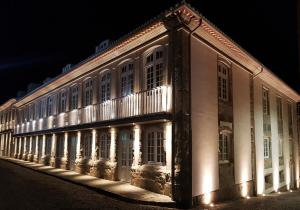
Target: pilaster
53	150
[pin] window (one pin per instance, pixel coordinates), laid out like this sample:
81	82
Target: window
267	148
280	125
60	146
87	146
88	92
127	79
290	120
224	145
105	87
41	108
266	102
104	145
62	101
154	68
74	98
155	147
48	145
49	106
223	84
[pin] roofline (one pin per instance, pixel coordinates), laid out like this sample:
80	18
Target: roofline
7	104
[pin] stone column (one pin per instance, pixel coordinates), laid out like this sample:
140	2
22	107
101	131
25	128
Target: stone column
36	154
94	155
179	66
64	160
30	155
53	150
168	146
17	140
9	144
25	152
78	146
5	144
137	155
43	155
113	155
20	148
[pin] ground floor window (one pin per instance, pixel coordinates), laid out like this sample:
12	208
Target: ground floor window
155	147
33	144
60	146
104	151
224	147
48	146
87	146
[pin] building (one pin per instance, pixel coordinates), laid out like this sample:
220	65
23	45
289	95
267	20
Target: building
175	107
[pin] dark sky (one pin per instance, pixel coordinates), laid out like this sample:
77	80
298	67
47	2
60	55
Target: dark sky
38	38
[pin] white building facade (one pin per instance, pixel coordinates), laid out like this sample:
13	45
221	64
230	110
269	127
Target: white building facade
176	107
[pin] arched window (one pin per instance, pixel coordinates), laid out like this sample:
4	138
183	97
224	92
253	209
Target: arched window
49	106
105	86
154	68
127	79
74	98
104	151
88	92
155	147
62	101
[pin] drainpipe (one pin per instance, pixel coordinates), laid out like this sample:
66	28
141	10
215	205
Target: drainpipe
253	159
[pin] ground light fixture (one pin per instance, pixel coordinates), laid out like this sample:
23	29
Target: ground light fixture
248	197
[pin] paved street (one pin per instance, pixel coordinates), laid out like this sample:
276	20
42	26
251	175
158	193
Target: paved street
23	189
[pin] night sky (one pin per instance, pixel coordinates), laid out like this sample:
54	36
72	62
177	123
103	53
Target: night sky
38	38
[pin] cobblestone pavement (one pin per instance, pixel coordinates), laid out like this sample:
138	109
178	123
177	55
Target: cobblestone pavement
283	201
23	189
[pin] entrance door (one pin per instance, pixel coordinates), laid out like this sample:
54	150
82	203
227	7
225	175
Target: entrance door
125	155
72	151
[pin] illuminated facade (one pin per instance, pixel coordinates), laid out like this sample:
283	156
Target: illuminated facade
176	108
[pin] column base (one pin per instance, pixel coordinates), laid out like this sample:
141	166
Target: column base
82	166
30	157
25	156
64	163
46	160
36	158
16	155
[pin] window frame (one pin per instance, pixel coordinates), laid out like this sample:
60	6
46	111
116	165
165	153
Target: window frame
157	147
88	92
127	71
50	106
223	71
74	96
87	146
105	79
267	148
104	145
224	152
155	67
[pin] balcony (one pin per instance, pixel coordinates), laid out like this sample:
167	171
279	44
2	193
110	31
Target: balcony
153	101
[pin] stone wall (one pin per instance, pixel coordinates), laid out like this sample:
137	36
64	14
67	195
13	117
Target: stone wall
153	178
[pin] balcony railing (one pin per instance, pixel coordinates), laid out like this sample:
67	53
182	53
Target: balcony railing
145	102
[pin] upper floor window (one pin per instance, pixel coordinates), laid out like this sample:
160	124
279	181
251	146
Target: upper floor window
127	72
223	81
104	145
290	119
154	68
88	92
266	102
49	106
41	108
62	101
224	147
74	98
155	147
105	86
280	125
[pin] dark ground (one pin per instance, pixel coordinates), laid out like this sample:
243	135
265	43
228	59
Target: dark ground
23	189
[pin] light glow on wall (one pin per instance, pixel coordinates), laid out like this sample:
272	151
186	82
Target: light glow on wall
94	132
168	145
207	188
33	125
244	190
136	145
113	144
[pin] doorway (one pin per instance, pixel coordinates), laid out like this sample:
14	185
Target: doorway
125	155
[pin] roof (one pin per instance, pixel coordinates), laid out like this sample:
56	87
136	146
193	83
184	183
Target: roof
7	104
207	31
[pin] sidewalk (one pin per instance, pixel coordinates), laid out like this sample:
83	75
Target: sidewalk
120	190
